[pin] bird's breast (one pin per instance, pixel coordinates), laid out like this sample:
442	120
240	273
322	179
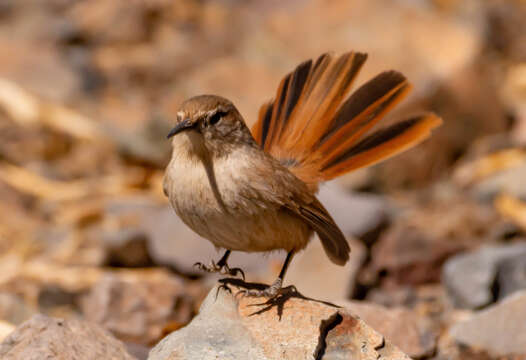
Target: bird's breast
217	202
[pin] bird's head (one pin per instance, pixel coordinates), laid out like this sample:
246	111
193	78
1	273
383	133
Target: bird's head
210	122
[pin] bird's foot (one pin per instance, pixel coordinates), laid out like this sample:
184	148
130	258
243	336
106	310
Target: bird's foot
223	269
270	292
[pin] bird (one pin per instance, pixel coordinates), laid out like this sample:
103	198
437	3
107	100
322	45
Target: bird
254	190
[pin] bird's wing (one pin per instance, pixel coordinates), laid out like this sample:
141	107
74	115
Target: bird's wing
332	238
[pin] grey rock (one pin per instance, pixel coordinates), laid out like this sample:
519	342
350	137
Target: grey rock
511	275
469	277
217	332
500	329
237	328
510	181
43	337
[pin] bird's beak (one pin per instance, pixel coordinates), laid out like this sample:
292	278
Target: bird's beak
183	125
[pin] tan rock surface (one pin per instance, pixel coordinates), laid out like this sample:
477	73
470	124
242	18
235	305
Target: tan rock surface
411	332
48	338
290	328
5	329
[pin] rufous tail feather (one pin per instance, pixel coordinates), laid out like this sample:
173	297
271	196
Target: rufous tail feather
319	133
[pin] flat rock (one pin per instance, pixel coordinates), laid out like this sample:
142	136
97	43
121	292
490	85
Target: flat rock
292	328
469	277
43	337
406	329
500	329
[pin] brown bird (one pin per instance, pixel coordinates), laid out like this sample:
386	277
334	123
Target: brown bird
255	191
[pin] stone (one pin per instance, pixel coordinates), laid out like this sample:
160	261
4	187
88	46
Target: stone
411	255
43	337
13	309
411	332
469	278
511	275
5	329
510	181
127	248
137	306
500	329
291	327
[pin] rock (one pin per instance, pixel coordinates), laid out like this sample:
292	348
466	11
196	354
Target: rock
410	255
43	337
510	181
292	328
470	278
5	329
406	329
49	68
54	300
136	307
13	309
511	275
127	248
500	329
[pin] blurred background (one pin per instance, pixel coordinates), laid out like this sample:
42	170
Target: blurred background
88	92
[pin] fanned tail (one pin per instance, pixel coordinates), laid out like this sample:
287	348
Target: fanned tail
318	135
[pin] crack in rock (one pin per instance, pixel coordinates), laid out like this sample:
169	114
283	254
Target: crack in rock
325	327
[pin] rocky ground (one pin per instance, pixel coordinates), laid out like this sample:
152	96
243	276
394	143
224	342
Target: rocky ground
95	265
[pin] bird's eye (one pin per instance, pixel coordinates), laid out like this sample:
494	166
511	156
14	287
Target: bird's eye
214	119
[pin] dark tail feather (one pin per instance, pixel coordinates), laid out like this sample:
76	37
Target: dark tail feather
318	135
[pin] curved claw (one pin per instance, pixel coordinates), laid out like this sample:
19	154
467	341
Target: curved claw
222	269
233	272
223	287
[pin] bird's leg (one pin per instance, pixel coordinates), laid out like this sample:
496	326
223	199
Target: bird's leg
221	266
276	288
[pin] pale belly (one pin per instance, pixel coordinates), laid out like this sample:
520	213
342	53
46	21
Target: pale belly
233	222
